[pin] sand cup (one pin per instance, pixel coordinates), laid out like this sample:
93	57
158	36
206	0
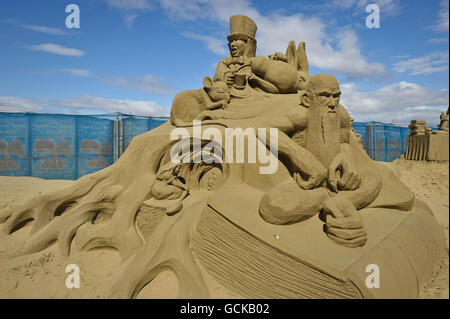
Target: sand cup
240	80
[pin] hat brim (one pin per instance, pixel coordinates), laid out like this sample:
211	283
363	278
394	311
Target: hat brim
239	36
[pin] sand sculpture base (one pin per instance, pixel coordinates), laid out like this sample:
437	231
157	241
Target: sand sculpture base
222	230
433	147
260	260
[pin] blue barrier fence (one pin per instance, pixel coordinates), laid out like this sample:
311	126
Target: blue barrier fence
383	142
133	126
57	146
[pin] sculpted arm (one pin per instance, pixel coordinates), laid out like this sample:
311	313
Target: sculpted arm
266	86
360	187
223	73
309	173
178	183
343	173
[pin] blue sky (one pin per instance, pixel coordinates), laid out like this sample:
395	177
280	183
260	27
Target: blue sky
135	55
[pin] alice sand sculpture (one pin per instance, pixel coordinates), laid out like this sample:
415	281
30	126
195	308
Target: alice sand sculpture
307	231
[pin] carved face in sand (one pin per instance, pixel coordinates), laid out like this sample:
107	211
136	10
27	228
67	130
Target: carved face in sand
217	90
324	89
237	47
303	79
322	98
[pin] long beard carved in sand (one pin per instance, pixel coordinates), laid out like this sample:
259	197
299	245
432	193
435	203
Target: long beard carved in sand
323	133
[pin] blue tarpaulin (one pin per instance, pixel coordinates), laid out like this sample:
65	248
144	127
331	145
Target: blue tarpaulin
57	146
383	142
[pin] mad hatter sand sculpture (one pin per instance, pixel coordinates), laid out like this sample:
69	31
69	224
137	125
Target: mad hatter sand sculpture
309	230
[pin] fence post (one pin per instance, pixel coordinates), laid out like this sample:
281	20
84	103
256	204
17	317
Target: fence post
76	147
115	139
121	136
30	146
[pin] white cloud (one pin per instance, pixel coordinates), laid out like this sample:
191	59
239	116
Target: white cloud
57	49
397	103
36	28
82	105
443	16
44	29
187	9
213	44
130	4
386	6
146	83
346	4
428	64
400	56
78	72
129	19
130	7
437	40
337	51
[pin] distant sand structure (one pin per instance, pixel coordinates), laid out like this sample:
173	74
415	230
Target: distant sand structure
425	144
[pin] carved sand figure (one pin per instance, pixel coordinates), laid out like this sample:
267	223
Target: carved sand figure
443	126
168	190
357	135
425	144
306	231
324	141
187	105
264	75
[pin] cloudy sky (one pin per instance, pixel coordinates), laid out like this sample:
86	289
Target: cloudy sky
133	56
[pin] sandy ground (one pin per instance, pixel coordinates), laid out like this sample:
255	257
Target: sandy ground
43	274
429	181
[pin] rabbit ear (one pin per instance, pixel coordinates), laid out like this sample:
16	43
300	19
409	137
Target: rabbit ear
302	59
291	54
207	82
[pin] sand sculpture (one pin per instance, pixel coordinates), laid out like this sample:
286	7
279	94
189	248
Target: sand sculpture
358	136
443	126
308	229
425	144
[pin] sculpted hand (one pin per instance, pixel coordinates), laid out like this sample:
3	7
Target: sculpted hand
342	174
278	57
223	105
217	105
208	115
343	223
229	79
317	175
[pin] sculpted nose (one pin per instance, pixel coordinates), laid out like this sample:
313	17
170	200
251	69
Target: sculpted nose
330	102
